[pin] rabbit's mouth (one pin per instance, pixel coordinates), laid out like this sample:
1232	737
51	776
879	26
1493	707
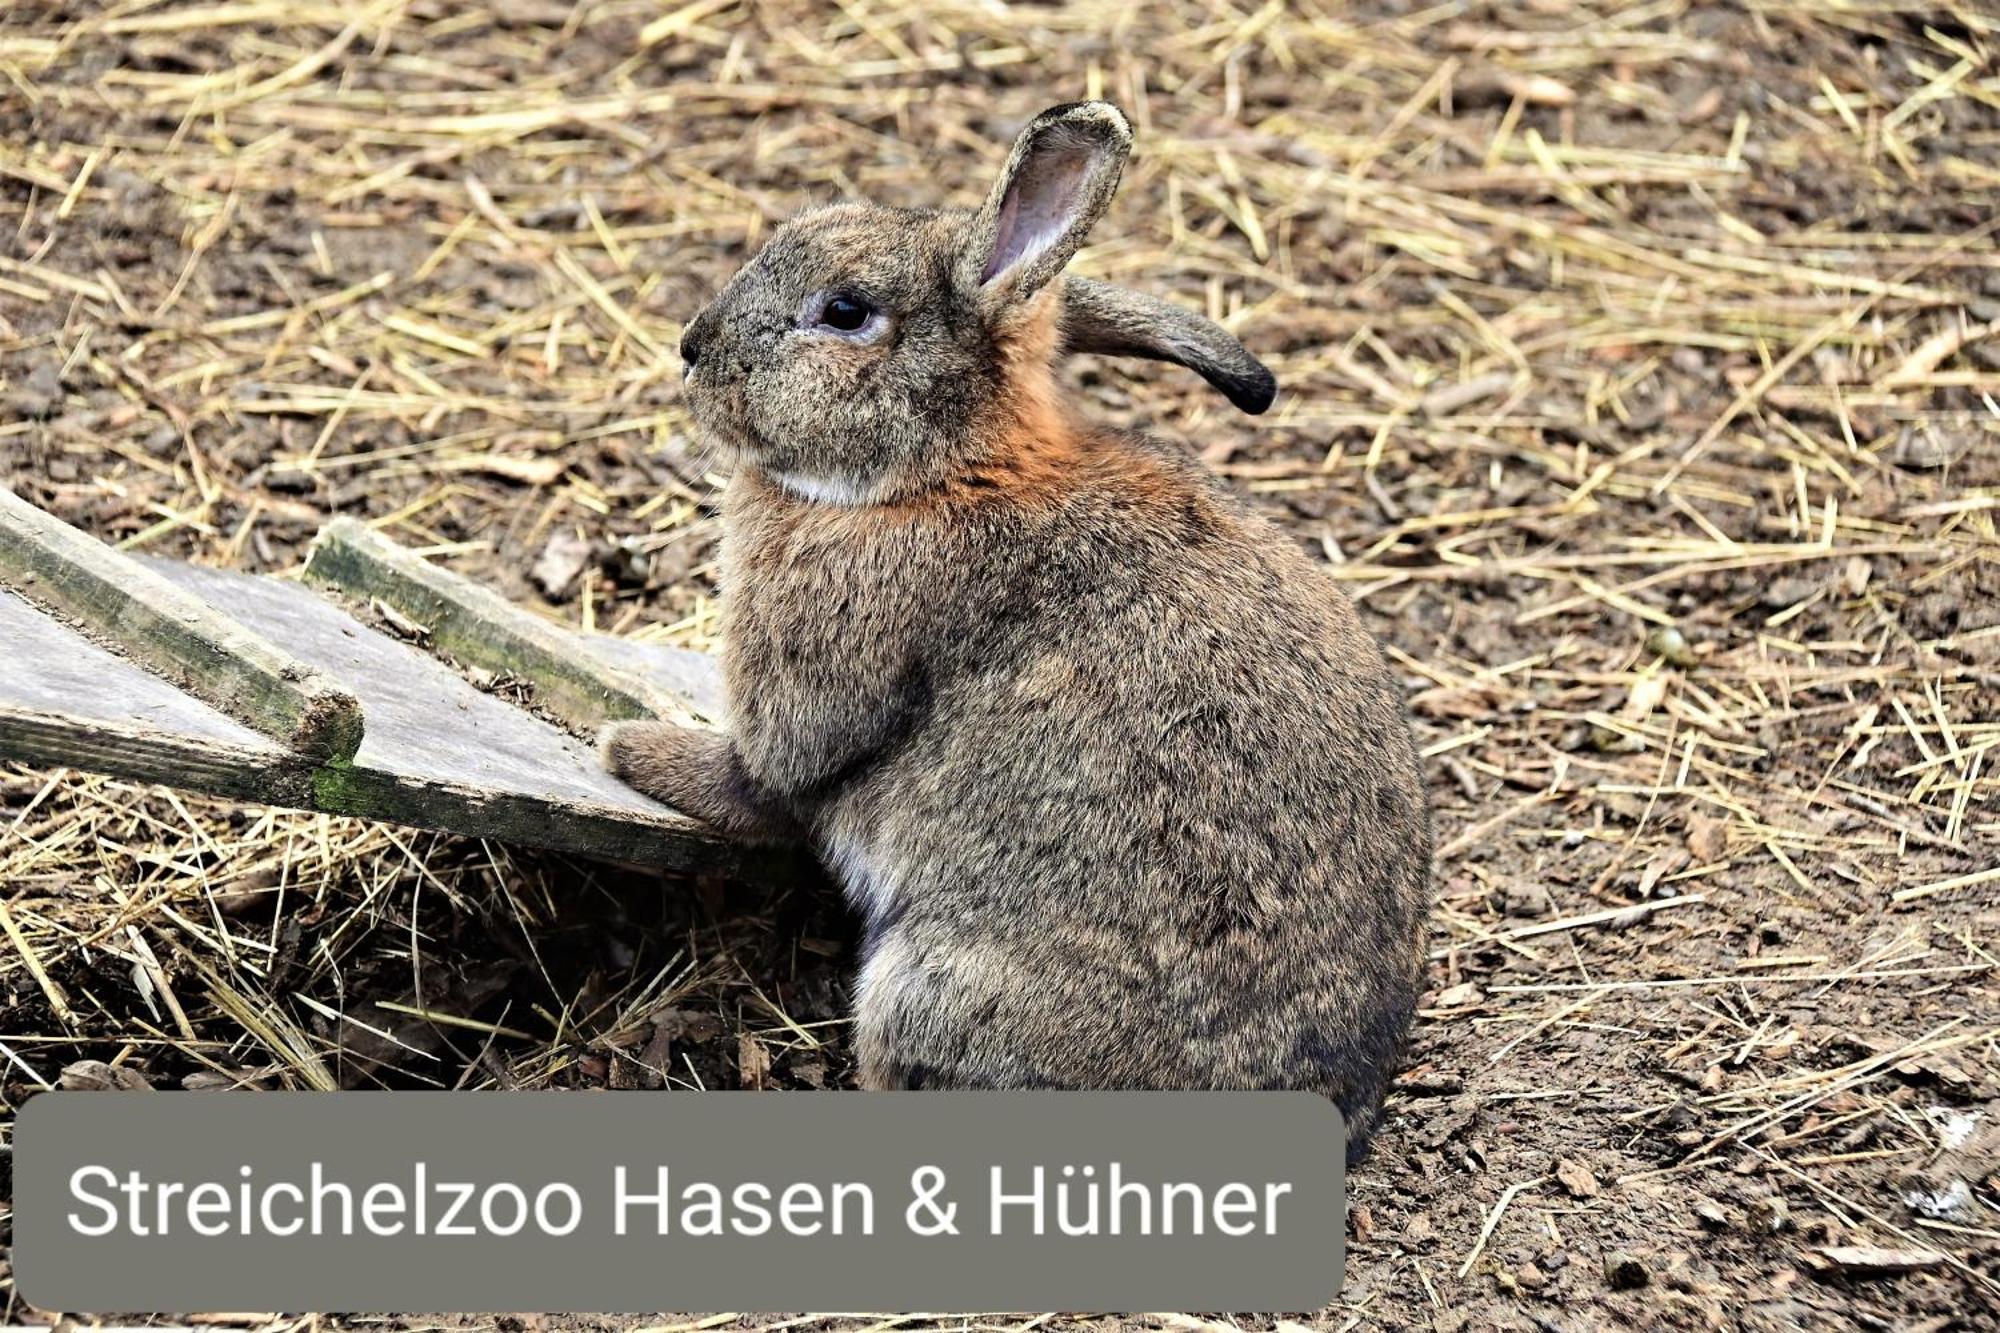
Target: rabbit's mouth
719	413
732	442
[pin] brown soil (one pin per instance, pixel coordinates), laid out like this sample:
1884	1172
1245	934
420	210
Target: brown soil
1640	367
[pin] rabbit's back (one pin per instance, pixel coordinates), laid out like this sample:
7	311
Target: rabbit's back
1142	809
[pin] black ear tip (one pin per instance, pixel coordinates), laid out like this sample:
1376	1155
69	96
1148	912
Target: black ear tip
1253	391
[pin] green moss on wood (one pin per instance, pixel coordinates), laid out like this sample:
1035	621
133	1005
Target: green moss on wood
337	790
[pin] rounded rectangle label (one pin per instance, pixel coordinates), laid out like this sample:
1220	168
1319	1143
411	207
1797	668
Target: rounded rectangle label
628	1202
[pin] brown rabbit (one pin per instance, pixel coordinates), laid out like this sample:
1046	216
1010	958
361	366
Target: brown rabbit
1123	787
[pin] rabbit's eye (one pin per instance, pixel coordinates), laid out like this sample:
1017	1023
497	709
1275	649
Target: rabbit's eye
844	313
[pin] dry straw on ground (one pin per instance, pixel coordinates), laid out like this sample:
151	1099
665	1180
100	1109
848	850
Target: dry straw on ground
1640	369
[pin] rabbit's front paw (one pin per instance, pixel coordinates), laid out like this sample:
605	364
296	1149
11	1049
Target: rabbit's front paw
699	773
649	755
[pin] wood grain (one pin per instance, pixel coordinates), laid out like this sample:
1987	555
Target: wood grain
120	603
437	754
474	626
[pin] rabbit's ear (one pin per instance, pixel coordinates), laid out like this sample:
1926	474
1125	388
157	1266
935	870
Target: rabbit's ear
1058	181
1098	317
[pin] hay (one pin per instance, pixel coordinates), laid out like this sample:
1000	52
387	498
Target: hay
1639	369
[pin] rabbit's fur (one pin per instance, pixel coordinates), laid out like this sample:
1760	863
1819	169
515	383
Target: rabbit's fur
1124	789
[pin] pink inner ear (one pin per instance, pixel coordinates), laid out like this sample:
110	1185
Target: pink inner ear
1040	206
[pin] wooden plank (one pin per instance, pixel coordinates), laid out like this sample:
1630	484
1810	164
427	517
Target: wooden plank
66	702
475	626
691	678
150	754
438	753
120	603
54	668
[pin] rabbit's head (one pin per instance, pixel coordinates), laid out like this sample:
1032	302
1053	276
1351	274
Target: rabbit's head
868	352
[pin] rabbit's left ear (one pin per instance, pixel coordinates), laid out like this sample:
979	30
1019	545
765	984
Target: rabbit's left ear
1098	317
1058	181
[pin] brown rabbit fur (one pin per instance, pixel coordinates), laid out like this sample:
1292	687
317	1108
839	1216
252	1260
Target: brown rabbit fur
1123	788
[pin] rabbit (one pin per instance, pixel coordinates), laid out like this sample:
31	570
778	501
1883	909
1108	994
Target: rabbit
1123	790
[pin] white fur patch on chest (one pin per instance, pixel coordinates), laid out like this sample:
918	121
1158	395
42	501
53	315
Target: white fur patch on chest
846	492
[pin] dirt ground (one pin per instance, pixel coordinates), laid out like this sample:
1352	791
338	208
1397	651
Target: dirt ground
1639	369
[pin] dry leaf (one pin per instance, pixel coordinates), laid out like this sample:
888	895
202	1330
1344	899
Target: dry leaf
1459	996
96	1076
753	1062
1576	1178
1704	839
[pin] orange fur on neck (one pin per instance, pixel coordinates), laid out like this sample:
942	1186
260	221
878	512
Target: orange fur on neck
1031	443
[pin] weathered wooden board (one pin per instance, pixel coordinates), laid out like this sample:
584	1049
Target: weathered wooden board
437	752
117	601
686	675
67	702
474	625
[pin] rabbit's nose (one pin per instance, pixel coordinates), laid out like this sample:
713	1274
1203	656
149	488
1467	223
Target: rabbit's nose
693	338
